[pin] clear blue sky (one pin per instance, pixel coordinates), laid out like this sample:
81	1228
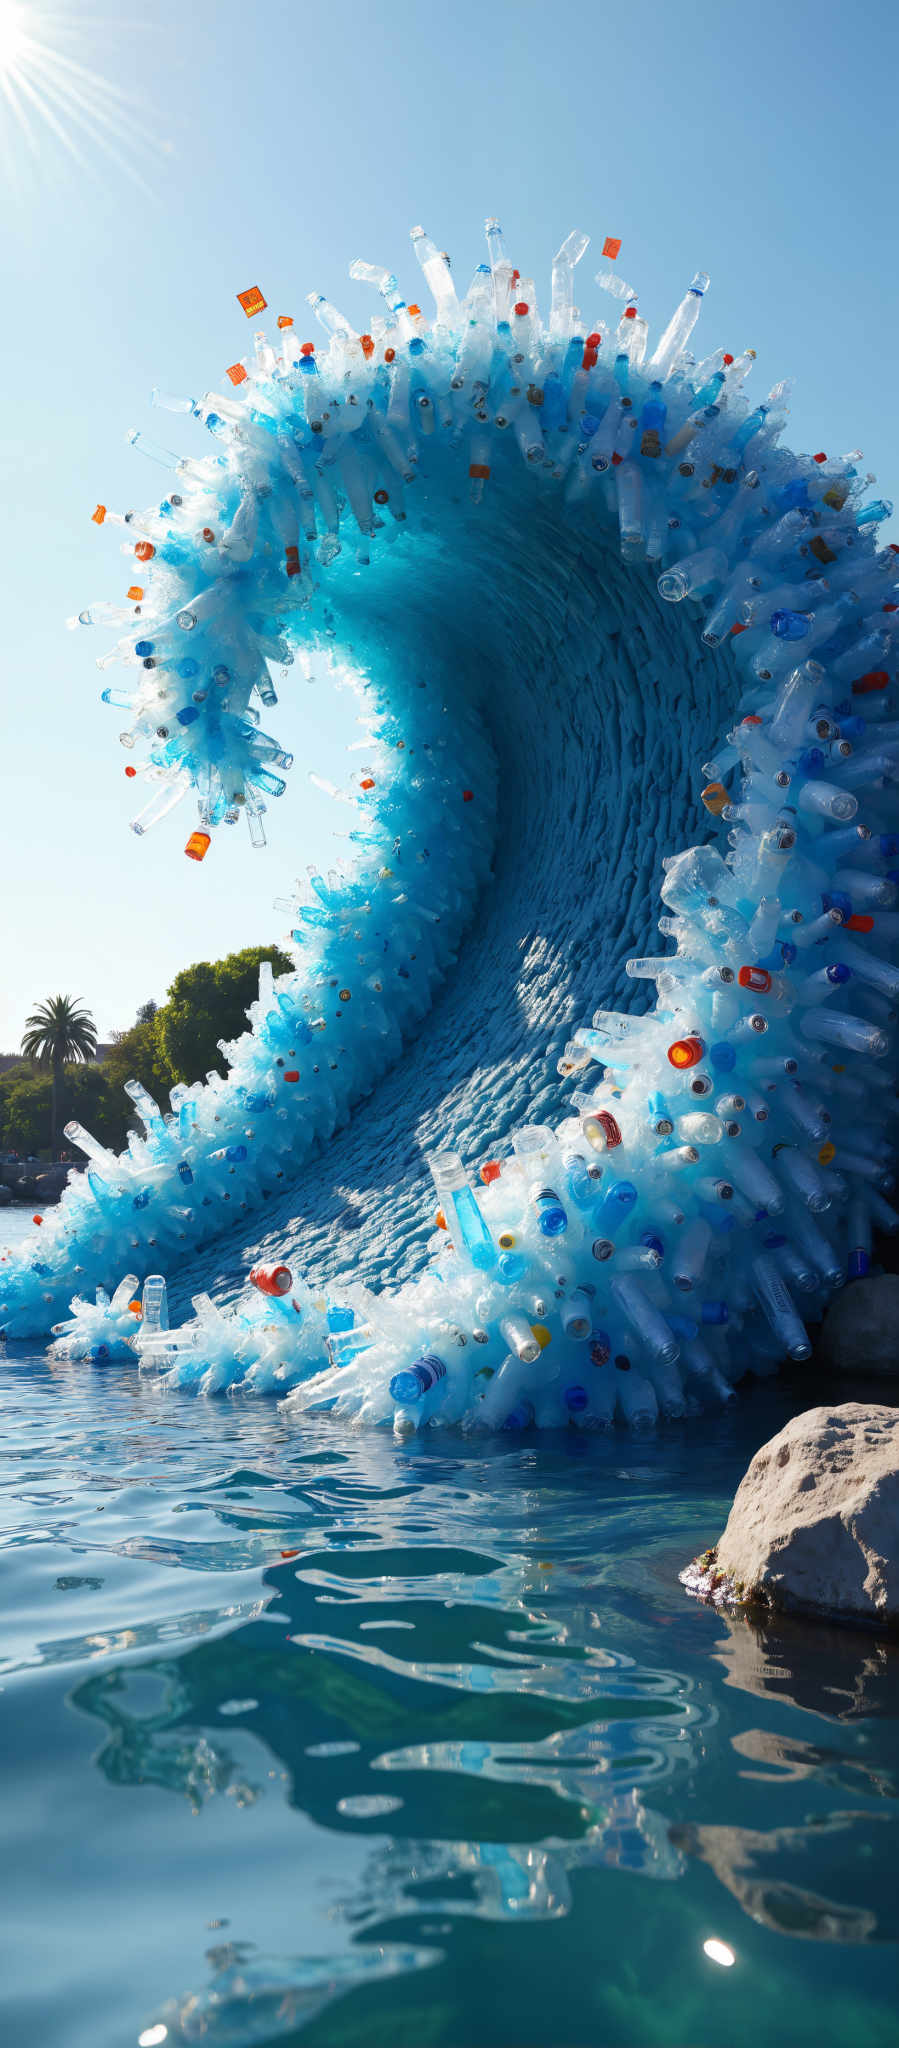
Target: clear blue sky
273	145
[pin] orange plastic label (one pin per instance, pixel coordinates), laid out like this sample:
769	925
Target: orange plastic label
198	846
237	373
252	301
859	922
479	469
612	247
415	311
285	319
135	592
366	344
827	1153
144	550
99	516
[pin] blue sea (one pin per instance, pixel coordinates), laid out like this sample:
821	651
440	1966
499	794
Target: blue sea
310	1734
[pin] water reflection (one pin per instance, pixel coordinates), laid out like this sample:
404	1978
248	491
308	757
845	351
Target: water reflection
756	1867
554	1739
487	1750
417	1716
845	1674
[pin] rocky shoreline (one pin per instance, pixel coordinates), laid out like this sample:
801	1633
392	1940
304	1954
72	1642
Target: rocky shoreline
33	1181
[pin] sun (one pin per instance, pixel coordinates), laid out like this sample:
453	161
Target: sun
48	93
13	35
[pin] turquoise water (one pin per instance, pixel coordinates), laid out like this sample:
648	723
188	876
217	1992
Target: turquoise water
311	1733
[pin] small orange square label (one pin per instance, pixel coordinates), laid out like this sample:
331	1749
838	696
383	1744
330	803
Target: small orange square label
99	516
285	319
252	301
612	246
135	593
237	373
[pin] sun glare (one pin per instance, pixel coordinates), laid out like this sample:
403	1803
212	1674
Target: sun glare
13	35
47	94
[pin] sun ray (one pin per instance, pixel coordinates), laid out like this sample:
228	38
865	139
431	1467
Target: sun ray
86	120
43	87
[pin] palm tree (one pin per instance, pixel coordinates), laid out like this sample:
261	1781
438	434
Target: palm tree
57	1031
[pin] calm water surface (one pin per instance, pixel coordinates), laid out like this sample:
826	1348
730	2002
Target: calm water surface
308	1734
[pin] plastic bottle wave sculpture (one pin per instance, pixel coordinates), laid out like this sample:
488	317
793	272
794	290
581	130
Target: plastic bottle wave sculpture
555	563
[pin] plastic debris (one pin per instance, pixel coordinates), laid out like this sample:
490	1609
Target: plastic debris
723	1159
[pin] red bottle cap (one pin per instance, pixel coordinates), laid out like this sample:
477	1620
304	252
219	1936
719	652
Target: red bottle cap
686	1052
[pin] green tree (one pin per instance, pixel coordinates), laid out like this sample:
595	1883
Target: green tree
58	1034
208	1002
24	1109
137	1055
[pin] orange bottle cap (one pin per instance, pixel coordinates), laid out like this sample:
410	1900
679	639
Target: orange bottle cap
686	1052
714	796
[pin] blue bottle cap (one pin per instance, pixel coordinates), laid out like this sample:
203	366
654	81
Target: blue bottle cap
838	900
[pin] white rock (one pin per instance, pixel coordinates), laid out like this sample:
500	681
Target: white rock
860	1331
815	1523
